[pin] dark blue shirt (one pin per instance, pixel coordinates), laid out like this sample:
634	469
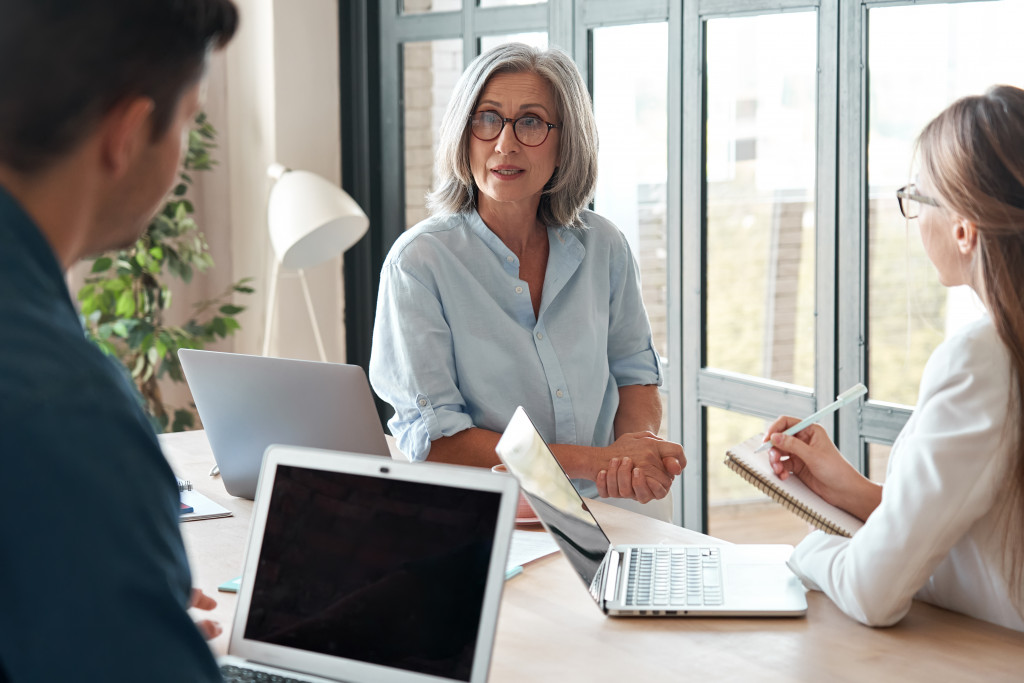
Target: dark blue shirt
92	566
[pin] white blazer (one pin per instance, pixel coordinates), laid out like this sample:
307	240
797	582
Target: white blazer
938	534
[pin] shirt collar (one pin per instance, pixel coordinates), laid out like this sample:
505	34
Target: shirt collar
565	246
18	228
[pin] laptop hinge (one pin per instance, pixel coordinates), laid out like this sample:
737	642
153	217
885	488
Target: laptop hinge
611	583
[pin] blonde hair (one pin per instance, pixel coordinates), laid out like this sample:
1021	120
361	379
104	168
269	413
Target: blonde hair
973	153
573	183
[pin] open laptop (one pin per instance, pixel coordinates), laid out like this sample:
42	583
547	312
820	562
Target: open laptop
360	569
647	580
247	403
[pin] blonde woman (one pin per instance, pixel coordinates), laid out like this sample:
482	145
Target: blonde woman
947	526
512	293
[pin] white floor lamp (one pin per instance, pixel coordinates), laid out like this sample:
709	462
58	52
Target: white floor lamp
310	220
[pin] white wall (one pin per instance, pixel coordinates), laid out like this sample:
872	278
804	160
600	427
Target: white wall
282	104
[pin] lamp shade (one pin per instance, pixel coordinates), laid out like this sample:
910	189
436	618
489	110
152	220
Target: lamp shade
310	218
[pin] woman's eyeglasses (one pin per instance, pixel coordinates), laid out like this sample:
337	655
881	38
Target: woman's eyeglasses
910	201
530	130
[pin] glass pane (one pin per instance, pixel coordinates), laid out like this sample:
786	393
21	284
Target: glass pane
878	461
506	3
761	117
920	58
424	6
535	39
430	70
630	75
737	511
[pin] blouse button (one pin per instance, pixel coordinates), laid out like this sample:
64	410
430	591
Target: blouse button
519	290
540	336
509	258
423	402
558	393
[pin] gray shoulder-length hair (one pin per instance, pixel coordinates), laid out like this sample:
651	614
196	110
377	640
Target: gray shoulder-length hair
574	181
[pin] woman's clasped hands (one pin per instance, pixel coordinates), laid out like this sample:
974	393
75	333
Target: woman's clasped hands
639	465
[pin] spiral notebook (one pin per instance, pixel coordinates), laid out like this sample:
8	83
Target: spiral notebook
791	493
195	505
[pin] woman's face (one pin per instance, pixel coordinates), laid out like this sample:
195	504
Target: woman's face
938	228
506	171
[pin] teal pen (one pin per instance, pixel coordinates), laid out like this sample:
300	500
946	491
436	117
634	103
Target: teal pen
851	394
513	572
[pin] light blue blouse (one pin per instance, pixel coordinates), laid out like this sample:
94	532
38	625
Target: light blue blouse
456	343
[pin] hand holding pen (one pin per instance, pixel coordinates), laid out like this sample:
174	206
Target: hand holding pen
851	394
803	448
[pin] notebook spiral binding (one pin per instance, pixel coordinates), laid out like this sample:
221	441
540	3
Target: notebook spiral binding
784	500
184	485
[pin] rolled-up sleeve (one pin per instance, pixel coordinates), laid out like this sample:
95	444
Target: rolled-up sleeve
632	358
412	363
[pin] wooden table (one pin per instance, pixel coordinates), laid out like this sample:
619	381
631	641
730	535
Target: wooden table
551	630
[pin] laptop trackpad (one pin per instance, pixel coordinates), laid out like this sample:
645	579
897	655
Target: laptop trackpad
762	581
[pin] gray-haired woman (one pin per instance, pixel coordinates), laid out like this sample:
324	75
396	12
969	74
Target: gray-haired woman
513	294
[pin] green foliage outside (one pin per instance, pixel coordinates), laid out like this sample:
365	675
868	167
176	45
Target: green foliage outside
126	295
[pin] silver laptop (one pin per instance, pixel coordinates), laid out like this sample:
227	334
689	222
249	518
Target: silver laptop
647	580
247	403
360	569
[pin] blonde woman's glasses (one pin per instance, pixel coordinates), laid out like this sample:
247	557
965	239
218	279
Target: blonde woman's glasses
530	130
910	201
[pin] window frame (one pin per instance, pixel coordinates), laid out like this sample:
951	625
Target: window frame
840	192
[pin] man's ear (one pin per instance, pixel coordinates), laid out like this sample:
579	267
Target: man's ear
126	130
966	234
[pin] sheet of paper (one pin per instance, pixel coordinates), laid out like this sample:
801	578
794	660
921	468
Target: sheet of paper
528	546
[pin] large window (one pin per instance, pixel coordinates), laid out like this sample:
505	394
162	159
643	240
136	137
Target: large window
750	150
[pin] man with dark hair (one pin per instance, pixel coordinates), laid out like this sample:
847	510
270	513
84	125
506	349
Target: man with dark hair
95	99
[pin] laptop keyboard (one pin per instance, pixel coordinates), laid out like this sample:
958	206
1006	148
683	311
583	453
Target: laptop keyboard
238	674
689	576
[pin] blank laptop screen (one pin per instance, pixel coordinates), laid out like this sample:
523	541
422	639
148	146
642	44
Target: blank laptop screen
374	569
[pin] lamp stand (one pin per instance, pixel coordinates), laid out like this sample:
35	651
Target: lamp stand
312	316
272	299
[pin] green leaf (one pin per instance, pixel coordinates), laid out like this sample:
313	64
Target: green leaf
101	264
231	309
138	334
220	327
125	305
140	362
183	419
115	286
244	290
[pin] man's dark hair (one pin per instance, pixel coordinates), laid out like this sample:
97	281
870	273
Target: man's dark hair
66	63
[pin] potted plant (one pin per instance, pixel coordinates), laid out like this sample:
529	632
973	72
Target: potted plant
127	293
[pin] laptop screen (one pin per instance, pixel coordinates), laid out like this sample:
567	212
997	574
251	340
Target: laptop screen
373	569
553	497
